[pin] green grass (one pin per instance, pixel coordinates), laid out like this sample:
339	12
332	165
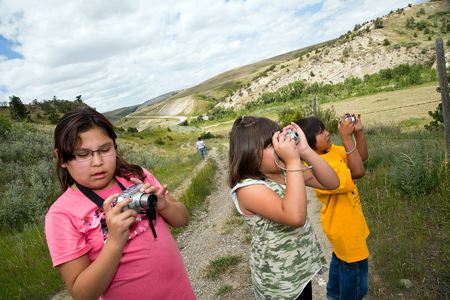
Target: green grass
406	194
26	271
221	266
224	290
171	162
200	187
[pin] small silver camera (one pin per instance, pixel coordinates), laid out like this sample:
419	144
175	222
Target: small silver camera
292	134
352	118
140	201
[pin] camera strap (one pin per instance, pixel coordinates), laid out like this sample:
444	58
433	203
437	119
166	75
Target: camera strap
91	195
151	216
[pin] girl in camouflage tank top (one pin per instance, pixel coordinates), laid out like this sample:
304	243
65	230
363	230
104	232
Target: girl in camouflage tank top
268	189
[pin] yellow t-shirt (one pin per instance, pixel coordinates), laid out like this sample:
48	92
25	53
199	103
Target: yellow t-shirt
341	215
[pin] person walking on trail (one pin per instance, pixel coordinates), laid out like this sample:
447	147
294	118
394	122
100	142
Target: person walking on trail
201	147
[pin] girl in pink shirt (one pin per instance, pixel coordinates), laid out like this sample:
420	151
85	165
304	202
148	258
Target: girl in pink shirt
106	250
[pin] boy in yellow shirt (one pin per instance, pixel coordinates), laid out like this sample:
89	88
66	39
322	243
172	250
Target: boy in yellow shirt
341	215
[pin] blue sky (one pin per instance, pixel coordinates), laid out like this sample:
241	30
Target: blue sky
120	53
7	48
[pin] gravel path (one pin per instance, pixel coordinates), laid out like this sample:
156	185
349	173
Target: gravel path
217	231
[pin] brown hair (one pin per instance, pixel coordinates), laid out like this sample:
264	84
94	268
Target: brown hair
311	127
67	137
248	138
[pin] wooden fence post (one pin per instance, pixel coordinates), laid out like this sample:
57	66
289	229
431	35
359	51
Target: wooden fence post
315	106
443	84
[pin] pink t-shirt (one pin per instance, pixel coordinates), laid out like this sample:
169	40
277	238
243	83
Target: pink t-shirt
149	268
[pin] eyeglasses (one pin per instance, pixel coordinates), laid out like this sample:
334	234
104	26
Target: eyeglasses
86	154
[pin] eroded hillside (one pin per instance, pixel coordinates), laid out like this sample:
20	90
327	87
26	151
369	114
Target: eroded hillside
365	50
404	36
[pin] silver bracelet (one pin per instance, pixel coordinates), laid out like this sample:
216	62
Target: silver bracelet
353	150
275	159
298	170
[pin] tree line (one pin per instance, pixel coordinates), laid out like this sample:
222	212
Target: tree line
44	111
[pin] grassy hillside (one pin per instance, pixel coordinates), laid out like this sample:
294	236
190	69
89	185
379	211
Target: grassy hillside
117	114
408	107
229	81
404	36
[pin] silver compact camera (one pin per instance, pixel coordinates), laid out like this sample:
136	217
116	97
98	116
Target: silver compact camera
293	135
352	118
140	201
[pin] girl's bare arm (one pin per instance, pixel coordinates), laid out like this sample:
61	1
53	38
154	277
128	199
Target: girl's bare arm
88	280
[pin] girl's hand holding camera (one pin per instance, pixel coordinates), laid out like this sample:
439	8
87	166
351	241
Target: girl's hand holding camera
302	143
285	147
174	212
118	220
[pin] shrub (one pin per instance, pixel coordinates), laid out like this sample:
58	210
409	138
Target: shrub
386	42
5	126
206	135
422	25
410	22
327	116
159	141
416	171
438	119
287	115
378	23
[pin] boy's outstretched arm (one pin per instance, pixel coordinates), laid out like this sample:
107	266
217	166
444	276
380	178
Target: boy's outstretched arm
361	145
355	163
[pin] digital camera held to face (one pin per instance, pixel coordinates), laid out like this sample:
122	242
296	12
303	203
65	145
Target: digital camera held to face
350	117
293	134
140	201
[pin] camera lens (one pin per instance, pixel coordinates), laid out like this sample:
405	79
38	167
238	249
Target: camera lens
142	201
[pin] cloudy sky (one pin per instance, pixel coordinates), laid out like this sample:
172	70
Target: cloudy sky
121	53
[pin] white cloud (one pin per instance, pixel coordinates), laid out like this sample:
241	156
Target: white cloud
120	53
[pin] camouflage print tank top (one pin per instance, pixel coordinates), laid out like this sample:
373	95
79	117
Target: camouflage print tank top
283	259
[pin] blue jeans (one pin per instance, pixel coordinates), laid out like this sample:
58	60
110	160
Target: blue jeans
203	153
347	281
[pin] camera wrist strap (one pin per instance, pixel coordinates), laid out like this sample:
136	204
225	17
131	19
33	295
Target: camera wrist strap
151	215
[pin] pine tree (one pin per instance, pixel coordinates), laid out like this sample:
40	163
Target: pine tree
17	109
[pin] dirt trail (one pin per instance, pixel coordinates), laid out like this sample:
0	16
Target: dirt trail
216	232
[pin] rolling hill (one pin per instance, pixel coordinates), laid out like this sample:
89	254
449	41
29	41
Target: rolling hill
404	36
